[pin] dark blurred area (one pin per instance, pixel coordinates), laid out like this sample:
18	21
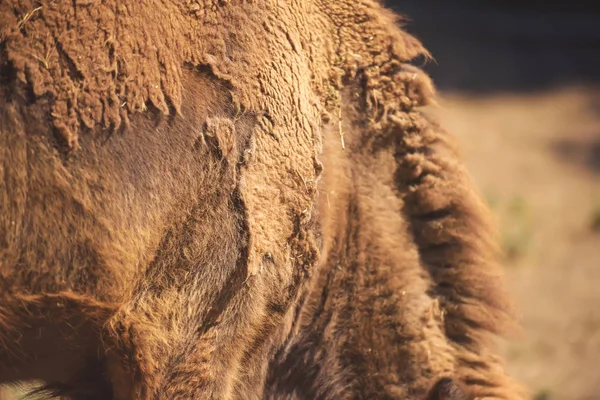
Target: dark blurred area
491	45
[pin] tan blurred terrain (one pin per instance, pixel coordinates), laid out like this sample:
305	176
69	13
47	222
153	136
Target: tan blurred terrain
536	158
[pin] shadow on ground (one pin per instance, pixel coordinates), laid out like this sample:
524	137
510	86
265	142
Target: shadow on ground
583	153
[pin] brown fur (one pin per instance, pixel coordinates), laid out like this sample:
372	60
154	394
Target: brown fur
235	199
448	389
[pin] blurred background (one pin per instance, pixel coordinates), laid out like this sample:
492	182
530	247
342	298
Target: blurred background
520	88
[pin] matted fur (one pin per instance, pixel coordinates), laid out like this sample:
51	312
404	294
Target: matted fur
235	199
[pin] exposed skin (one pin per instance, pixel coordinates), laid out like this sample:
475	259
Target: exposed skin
235	200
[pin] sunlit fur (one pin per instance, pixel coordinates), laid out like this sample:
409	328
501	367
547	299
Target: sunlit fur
234	199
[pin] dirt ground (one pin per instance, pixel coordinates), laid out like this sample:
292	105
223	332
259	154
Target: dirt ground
536	158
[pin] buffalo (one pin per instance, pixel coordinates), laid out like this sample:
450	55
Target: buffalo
236	199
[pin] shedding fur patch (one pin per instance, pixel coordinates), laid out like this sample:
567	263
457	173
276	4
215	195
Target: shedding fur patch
94	63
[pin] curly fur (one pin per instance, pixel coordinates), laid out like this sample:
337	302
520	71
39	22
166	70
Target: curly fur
235	199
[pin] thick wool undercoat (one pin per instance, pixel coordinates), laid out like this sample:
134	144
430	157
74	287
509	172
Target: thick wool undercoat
240	199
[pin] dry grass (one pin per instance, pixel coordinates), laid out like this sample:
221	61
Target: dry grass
27	17
517	229
45	61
